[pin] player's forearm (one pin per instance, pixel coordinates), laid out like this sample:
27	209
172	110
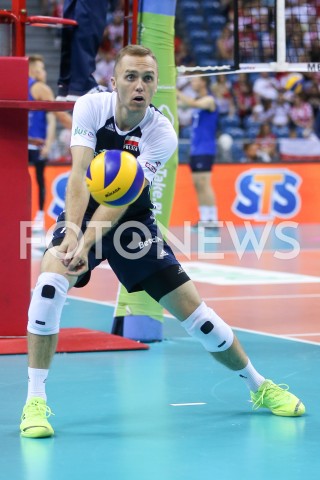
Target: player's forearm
101	222
51	130
77	199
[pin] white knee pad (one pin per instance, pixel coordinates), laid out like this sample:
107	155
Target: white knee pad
206	326
46	304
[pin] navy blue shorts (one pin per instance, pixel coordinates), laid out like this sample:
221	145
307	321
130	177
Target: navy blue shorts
201	163
134	249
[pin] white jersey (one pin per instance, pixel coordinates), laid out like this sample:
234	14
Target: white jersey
152	141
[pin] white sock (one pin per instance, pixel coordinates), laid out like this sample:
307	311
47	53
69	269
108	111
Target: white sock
36	382
213	213
252	378
203	213
207	213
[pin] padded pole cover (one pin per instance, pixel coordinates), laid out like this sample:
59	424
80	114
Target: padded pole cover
15	198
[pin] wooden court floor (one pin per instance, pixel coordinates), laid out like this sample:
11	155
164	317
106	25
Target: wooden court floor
171	412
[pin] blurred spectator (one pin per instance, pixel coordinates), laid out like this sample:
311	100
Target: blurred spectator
265	86
266	141
104	67
301	113
281	116
114	30
253	154
225	44
263	111
244	97
183	55
295	48
248	39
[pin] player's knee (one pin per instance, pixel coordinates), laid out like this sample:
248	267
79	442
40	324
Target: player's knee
207	327
46	304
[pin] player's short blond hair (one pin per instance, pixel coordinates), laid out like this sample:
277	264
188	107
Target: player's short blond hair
134	51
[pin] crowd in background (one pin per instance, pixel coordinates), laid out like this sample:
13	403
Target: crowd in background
255	110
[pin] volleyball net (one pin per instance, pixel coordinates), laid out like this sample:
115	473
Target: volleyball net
266	35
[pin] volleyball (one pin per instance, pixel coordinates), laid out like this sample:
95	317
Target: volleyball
294	83
225	141
115	178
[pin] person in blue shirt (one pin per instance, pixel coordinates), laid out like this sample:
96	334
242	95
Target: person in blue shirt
41	129
203	146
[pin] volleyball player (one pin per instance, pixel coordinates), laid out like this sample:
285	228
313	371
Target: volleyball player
123	119
203	146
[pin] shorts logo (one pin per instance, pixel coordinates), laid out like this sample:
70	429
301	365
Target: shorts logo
149	241
131	143
264	194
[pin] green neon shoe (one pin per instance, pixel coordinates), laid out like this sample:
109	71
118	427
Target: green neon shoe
277	399
34	423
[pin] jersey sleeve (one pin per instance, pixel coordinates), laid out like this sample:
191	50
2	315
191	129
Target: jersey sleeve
157	148
84	123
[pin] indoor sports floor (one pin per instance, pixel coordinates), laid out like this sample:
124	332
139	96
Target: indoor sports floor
171	412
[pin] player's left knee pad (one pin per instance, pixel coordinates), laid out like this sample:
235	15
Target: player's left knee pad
207	327
46	304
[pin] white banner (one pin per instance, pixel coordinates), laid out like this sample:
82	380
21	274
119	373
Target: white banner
299	149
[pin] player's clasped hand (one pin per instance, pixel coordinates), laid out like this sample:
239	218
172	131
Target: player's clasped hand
75	259
78	264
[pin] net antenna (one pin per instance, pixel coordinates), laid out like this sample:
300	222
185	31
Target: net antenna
269	36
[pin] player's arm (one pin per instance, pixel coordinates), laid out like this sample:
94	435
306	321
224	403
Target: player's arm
42	92
204	103
50	134
77	198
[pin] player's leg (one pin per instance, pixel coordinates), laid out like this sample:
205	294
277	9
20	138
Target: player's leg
178	294
201	167
45	310
184	303
44	314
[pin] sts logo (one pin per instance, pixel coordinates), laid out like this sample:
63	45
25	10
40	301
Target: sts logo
58	187
263	194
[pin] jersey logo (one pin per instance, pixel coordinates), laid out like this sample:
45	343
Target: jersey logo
151	167
264	194
131	143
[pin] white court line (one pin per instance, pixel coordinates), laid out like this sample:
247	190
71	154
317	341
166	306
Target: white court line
263	297
186	404
91	300
303	334
217	299
168	315
273	335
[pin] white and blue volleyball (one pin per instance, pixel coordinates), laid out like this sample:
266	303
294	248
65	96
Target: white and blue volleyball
115	178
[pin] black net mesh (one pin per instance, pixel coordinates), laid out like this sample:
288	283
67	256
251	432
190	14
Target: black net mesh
229	32
303	31
257	33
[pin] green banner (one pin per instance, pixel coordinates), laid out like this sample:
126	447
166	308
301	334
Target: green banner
157	33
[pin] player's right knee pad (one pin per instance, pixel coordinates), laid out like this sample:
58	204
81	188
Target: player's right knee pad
207	327
46	304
